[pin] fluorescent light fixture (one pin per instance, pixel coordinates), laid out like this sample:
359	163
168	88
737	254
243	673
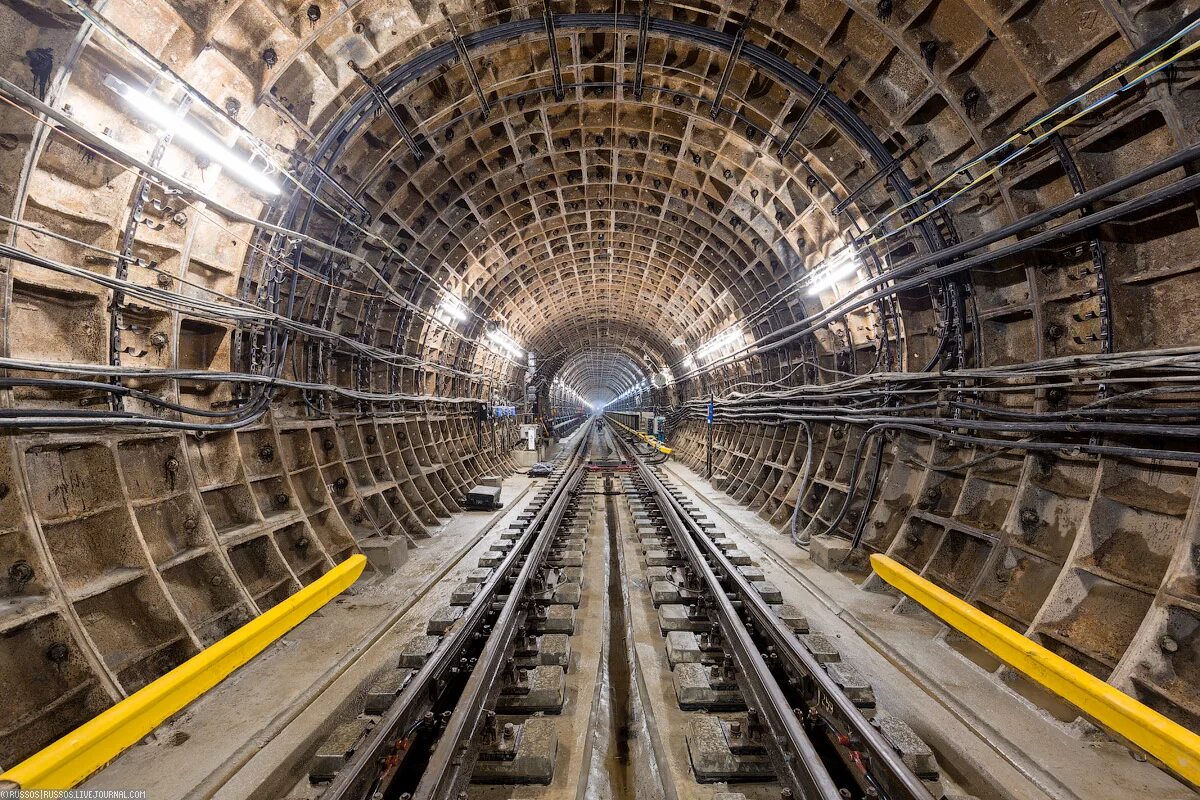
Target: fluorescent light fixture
572	393
689	362
189	133
721	342
636	388
838	266
452	308
504	342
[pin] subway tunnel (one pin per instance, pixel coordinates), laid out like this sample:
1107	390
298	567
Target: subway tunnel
732	305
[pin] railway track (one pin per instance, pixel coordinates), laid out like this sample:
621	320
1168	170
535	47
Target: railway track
558	613
415	747
821	741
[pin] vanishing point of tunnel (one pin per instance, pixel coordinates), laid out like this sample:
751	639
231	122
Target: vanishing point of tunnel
548	399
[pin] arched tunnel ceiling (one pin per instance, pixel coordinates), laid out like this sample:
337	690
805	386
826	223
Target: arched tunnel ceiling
602	356
648	174
298	375
613	204
632	197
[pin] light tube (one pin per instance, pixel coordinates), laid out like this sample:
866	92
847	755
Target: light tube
189	133
841	265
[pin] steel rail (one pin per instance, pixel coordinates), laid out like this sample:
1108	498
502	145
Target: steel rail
370	764
452	761
895	779
798	764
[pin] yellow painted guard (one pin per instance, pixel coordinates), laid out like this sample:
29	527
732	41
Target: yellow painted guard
1171	743
74	757
645	437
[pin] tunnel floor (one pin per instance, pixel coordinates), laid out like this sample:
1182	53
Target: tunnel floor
255	734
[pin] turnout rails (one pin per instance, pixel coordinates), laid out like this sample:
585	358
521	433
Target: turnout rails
416	748
812	715
823	746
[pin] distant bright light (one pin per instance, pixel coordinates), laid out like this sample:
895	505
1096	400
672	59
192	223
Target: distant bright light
189	133
505	342
722	342
637	388
840	265
452	308
572	393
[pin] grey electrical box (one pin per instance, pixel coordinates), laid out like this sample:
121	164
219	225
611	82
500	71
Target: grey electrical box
483	498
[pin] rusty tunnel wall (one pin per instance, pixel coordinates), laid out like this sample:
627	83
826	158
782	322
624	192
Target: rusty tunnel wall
1095	559
612	231
125	556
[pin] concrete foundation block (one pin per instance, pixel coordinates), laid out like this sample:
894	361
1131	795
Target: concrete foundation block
417	650
827	552
674	617
853	684
911	747
683	648
568	593
464	593
566	558
492	558
480	575
660	574
768	591
663	592
660	558
820	647
541	689
553	649
383	690
752	573
792	617
738	558
558	618
443	619
524	458
336	750
697	690
385	554
714	760
527	758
